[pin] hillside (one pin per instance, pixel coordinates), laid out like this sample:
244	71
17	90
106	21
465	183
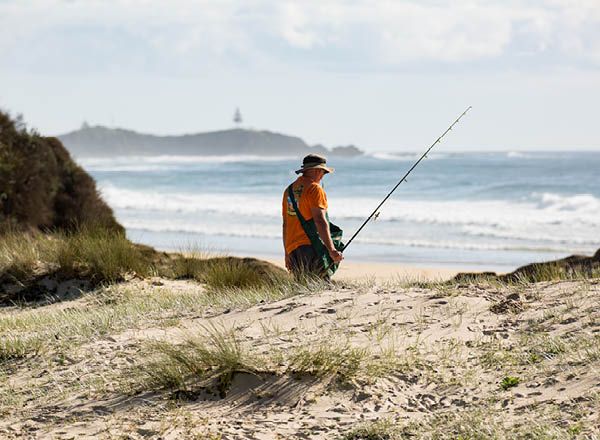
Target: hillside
101	141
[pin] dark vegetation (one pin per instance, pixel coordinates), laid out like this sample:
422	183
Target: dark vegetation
572	267
41	187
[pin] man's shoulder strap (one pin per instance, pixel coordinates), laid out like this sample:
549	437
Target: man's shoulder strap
292	198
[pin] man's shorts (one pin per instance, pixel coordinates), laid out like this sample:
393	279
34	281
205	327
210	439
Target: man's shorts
304	261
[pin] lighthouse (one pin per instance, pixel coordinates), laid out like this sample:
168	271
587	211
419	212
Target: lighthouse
237	117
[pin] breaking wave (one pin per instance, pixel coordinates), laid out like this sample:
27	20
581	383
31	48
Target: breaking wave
544	217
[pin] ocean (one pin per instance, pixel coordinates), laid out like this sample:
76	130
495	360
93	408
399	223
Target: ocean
480	211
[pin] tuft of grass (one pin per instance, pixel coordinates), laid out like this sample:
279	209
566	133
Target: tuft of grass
217	355
324	359
342	361
543	347
21	253
226	273
551	271
220	353
101	254
383	429
188	267
267	289
14	347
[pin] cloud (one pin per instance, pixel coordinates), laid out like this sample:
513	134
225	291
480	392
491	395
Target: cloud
188	36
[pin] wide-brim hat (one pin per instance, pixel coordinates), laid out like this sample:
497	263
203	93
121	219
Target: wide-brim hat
314	161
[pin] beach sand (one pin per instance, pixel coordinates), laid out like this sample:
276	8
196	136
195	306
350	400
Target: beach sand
385	272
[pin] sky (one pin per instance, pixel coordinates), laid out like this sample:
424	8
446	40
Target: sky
382	75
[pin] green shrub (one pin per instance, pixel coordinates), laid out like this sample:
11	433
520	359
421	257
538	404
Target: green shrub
41	187
509	382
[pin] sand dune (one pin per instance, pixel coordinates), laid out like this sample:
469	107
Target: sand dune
437	361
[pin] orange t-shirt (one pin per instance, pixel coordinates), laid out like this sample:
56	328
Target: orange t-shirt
308	194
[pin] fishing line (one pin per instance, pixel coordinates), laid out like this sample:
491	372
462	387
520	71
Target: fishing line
376	211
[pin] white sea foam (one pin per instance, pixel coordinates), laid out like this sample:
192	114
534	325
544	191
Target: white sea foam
581	203
515	154
405	157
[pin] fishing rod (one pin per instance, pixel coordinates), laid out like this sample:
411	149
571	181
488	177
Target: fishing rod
376	211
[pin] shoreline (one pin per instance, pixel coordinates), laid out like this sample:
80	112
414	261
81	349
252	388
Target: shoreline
366	271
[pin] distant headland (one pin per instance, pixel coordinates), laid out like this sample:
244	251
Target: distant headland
100	141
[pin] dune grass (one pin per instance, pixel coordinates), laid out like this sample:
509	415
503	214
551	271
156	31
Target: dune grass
384	429
221	273
217	354
28	331
344	362
221	352
482	423
20	254
105	256
487	422
96	254
14	347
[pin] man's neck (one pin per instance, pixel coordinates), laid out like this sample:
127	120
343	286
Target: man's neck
310	179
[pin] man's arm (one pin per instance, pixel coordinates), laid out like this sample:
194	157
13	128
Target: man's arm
322	225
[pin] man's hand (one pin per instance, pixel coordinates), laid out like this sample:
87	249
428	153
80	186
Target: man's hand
320	218
336	255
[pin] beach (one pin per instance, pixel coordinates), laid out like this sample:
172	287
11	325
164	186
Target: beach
385	272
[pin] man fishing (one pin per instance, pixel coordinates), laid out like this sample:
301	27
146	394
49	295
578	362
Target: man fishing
312	244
